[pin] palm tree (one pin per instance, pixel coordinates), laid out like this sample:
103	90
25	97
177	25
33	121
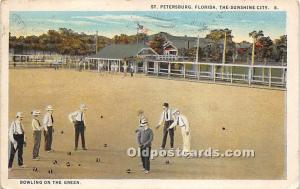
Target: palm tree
255	36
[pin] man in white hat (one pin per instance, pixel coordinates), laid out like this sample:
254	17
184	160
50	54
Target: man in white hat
48	128
182	121
145	137
78	119
141	116
17	138
37	130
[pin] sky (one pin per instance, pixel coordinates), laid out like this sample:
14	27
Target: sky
110	23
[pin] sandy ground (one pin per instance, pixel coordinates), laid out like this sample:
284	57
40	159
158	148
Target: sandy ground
253	119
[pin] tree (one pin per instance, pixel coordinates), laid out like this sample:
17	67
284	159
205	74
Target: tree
281	48
265	48
255	36
63	41
157	43
223	45
190	53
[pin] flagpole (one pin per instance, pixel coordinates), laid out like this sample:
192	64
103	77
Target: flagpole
253	51
224	48
137	33
224	53
137	39
197	55
96	41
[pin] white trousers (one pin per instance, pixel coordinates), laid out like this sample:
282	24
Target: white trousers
186	140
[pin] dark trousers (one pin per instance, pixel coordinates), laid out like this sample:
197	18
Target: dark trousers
165	134
79	130
145	154
131	72
37	142
20	143
48	138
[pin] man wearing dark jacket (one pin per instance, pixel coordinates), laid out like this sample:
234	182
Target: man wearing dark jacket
145	137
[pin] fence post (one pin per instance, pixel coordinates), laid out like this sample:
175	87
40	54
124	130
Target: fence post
231	75
198	71
146	67
282	76
156	68
222	73
249	75
214	73
135	66
270	77
183	70
263	74
169	69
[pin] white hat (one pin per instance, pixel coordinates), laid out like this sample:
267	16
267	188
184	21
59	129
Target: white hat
49	107
83	107
19	114
144	122
36	112
175	111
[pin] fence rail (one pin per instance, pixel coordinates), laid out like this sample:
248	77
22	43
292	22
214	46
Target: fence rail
262	75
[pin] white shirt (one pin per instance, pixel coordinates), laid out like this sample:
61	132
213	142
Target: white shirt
16	127
166	116
36	126
181	121
48	120
77	116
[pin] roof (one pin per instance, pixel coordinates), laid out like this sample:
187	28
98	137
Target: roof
243	45
178	41
203	42
181	42
120	51
169	45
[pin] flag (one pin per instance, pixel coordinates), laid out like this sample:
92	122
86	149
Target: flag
141	29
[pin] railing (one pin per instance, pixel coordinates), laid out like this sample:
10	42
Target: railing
263	75
164	57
